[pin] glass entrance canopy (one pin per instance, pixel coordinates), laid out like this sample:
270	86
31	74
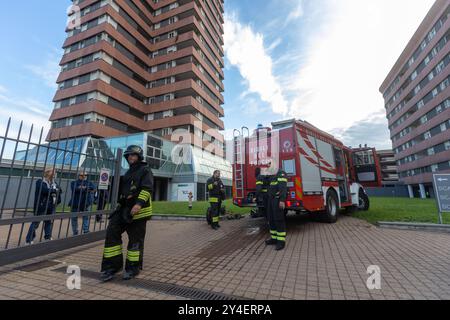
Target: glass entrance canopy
167	159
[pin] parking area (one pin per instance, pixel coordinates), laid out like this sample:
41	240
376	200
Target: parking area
321	261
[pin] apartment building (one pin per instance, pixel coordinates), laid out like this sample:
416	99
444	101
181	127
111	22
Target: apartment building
417	102
134	66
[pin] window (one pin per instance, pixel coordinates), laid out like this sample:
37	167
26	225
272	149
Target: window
420	104
169	97
167	131
417	89
289	167
440	67
435	92
424	119
447	146
168	114
423	45
100	119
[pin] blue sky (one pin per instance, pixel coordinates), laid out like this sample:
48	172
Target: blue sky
319	60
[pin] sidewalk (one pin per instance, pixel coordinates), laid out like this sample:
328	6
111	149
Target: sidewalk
321	261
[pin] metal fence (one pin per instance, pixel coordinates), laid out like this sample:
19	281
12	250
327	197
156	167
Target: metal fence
23	162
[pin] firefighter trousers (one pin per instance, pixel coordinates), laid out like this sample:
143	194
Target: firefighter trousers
113	255
263	205
277	220
215	212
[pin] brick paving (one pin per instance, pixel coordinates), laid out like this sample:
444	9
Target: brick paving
321	261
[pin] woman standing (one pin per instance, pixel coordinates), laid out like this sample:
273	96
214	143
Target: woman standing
47	197
191	198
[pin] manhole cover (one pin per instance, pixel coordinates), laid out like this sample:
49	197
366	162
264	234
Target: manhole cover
166	288
38	266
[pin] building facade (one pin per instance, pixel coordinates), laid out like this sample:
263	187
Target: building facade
133	66
388	168
417	102
174	176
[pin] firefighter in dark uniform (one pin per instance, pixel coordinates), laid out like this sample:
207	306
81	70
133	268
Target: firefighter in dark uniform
216	190
135	209
262	196
277	205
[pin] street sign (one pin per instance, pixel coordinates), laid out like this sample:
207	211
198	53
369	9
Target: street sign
104	179
442	190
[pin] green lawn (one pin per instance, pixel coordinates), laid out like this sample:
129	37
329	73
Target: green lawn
199	208
402	210
181	208
381	209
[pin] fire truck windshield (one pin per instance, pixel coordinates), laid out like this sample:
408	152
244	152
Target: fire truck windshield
363	158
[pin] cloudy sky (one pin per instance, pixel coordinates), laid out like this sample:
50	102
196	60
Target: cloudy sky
318	60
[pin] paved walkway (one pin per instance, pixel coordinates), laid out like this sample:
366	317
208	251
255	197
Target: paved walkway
321	261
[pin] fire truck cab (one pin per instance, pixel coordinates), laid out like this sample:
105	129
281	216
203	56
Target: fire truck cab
324	176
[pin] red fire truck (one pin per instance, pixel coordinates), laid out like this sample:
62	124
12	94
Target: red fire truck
323	175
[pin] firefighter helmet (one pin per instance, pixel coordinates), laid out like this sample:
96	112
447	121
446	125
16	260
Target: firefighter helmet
134	150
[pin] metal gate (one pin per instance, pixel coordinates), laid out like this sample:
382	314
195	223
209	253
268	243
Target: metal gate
24	158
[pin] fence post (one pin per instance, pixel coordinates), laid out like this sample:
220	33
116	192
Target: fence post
116	183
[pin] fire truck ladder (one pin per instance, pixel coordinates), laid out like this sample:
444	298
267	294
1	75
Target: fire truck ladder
239	158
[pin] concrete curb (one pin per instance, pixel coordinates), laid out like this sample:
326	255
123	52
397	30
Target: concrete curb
167	217
415	226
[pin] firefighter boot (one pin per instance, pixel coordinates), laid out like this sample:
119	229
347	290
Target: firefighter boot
107	276
280	245
271	242
129	275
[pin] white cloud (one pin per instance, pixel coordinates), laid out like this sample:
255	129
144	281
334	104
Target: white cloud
331	79
298	12
3	89
28	110
245	50
274	44
349	56
49	70
371	131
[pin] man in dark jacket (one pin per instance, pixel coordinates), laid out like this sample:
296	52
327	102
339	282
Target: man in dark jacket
135	209
82	198
277	205
216	190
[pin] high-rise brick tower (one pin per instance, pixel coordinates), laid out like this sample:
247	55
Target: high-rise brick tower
142	66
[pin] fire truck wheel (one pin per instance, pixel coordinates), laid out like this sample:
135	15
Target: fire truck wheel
331	213
364	202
